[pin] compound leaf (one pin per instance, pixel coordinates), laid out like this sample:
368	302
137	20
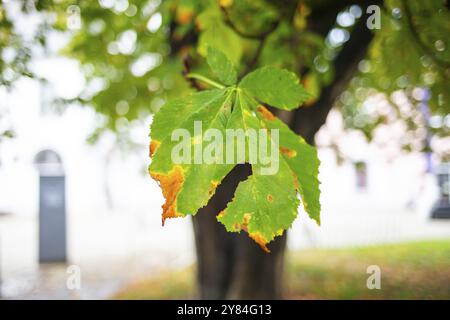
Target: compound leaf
282	163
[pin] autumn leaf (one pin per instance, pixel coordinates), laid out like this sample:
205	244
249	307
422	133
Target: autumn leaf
265	204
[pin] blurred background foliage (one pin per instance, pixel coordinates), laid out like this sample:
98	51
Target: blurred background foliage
133	54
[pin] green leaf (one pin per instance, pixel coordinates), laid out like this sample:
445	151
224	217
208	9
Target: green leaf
302	159
214	32
276	87
266	203
187	187
263	205
221	66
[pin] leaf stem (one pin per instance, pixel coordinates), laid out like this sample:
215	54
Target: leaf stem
205	80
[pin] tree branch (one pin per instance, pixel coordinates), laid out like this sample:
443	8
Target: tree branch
186	70
308	120
252	63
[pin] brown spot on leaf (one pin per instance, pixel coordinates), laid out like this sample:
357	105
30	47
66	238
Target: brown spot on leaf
269	198
239	226
296	183
170	184
245	221
259	239
154	144
288	152
266	114
213	187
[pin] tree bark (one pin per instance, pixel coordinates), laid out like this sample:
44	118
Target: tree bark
232	266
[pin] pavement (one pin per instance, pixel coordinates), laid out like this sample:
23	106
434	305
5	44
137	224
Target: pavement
110	250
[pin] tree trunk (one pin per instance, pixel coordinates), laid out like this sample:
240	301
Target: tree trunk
230	265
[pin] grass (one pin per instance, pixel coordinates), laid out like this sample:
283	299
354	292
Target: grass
178	284
417	270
